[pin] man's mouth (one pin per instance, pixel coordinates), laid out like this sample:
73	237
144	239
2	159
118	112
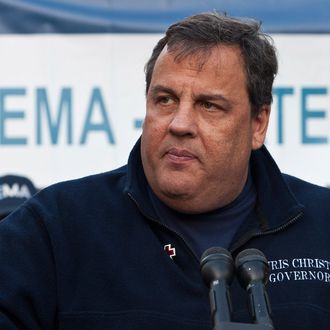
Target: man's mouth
178	155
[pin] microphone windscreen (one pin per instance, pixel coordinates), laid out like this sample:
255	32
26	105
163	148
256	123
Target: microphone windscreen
251	265
248	255
217	264
216	252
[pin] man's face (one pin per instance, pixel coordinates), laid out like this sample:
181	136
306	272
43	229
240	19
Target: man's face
198	131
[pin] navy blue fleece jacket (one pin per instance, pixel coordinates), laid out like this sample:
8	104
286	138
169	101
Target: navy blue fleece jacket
89	254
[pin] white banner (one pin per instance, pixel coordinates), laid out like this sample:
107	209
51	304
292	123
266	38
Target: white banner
72	105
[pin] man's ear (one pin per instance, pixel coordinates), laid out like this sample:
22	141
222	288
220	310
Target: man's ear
259	127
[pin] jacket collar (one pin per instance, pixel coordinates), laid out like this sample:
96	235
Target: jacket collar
137	184
276	203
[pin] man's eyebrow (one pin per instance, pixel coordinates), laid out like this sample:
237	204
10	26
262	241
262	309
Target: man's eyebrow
161	89
214	97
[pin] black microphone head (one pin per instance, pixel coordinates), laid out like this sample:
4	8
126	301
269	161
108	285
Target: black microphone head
217	264
251	265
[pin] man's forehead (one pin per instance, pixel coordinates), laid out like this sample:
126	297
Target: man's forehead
215	75
214	60
197	57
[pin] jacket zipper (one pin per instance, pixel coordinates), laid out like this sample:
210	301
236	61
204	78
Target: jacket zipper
154	220
267	232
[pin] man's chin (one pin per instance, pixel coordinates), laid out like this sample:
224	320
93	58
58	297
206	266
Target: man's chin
177	192
181	203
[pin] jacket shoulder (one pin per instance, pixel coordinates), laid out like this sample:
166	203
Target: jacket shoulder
307	191
101	180
85	193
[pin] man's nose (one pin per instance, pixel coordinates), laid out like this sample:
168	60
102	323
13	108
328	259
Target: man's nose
184	121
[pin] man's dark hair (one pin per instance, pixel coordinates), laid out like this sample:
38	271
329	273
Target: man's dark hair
198	34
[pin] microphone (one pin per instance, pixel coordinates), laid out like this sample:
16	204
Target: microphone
217	268
252	272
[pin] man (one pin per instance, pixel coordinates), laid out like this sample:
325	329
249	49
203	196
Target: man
121	250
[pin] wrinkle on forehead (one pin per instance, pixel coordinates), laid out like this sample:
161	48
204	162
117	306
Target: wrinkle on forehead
198	56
